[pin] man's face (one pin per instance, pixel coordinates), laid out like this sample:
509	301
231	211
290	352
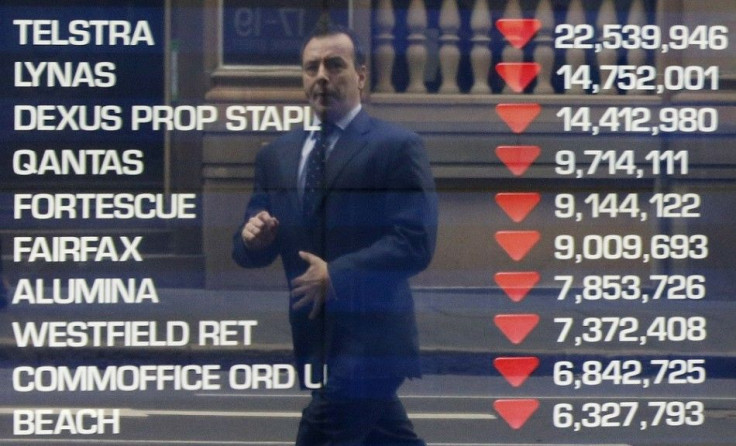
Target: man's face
332	83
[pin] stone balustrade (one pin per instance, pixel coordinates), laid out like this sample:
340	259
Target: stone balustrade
451	46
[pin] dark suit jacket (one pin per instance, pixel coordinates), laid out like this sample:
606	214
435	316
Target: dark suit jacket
380	218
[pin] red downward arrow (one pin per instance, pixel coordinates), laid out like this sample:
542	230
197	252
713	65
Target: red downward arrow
517	284
517	244
516	412
518	31
518	116
518	75
516	327
518	205
516	370
518	158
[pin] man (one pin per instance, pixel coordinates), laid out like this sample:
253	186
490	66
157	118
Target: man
351	223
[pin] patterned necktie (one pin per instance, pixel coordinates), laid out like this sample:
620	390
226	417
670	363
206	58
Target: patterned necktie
314	184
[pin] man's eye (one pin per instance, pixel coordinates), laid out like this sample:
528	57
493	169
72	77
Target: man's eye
334	64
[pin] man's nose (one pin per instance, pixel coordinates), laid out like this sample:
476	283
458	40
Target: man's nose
322	72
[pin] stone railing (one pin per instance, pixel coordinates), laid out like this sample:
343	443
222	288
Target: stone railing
451	46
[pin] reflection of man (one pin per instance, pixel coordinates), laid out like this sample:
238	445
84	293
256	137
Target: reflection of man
350	230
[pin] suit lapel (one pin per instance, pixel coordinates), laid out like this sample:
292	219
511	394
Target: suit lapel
290	154
290	161
350	143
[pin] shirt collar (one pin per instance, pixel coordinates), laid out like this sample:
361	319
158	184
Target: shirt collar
343	123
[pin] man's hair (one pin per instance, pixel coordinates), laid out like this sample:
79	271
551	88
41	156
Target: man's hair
326	28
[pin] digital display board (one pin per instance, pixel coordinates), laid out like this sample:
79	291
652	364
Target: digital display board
580	289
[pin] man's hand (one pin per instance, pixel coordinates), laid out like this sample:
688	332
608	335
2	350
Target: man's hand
260	231
313	285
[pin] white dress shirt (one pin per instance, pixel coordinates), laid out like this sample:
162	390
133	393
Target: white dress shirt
340	127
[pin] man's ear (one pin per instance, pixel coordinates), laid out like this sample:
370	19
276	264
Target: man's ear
362	76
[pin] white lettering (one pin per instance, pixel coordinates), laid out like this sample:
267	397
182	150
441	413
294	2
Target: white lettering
84	32
59	117
230	333
66	421
66	74
78	162
104	206
181	118
76	249
76	334
265	376
114	378
309	381
82	291
262	118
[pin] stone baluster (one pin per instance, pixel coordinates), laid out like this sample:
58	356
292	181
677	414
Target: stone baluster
637	16
606	56
416	53
449	50
575	57
480	55
511	54
384	52
544	53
